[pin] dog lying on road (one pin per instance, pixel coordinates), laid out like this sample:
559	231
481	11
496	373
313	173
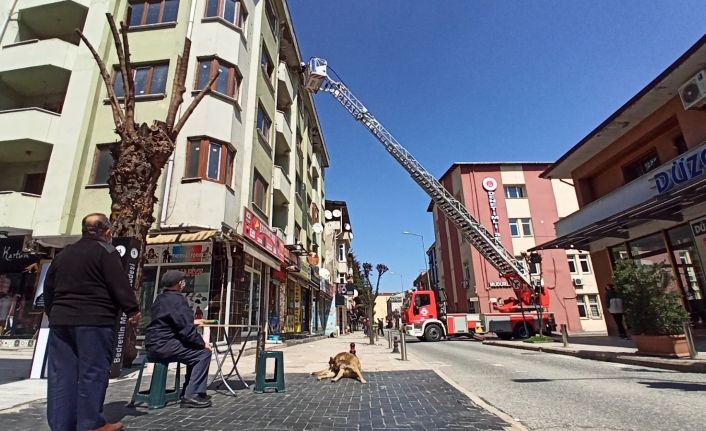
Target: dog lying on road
343	364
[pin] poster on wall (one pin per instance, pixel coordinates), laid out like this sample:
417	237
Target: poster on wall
18	274
198	252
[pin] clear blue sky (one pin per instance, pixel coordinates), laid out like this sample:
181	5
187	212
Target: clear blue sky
473	80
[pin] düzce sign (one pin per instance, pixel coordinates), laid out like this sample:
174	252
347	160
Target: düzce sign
260	233
690	166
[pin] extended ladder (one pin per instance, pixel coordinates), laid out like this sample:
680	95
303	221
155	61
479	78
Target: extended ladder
474	232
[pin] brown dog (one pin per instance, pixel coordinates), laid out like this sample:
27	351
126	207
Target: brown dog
343	364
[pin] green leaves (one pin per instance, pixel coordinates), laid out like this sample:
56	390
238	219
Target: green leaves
651	307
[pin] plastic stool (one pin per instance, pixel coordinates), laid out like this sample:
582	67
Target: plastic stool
157	396
261	382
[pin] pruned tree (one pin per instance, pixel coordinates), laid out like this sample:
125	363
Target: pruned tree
142	150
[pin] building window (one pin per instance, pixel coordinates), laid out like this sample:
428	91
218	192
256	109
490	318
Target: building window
588	306
341	252
271	17
148	79
584	264
102	164
680	145
641	166
147	12
297	232
515	192
228	81
232	11
572	264
583	312
520	227
259	192
211	160
594	307
268	66
263	123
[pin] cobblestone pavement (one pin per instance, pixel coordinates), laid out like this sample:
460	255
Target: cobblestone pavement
392	400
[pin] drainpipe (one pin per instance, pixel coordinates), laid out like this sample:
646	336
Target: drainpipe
7	20
170	163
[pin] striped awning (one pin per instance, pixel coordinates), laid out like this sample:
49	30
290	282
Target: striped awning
171	238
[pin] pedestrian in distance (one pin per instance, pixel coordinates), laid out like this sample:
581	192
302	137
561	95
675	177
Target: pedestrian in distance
381	330
615	308
171	336
85	291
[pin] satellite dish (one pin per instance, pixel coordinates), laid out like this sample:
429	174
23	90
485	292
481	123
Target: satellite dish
336	213
347	226
328	215
317	227
324	273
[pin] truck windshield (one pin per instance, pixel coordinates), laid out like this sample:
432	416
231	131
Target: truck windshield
405	302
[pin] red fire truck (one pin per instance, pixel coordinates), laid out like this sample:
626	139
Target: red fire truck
424	314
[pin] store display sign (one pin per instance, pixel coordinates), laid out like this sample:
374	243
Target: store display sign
260	233
490	185
12	258
690	166
129	249
198	252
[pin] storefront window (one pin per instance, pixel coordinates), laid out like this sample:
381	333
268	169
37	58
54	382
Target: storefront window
689	271
619	252
149	285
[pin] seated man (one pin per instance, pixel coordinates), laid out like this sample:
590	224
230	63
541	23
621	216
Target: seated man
171	336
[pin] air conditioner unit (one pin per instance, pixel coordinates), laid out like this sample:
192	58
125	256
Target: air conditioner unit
578	282
693	91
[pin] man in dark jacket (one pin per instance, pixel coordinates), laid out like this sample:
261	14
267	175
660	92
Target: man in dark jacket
171	336
85	291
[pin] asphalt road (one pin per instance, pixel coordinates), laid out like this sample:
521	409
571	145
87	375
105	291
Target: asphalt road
555	392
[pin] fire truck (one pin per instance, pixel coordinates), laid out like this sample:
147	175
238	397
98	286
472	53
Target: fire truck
424	315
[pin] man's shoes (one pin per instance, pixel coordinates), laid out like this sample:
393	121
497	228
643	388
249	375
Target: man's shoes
204	397
117	426
194	402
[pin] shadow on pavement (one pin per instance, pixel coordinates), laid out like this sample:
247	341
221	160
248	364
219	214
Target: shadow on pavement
117	410
682	386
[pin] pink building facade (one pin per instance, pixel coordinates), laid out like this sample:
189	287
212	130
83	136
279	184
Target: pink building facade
521	208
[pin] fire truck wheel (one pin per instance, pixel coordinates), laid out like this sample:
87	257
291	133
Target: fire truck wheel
521	331
433	333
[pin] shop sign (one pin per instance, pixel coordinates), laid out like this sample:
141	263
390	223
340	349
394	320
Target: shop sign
699	228
129	249
305	272
280	276
490	185
198	252
260	233
686	168
12	258
498	284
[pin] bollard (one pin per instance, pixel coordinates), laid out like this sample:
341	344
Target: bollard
389	339
394	347
564	335
693	354
404	346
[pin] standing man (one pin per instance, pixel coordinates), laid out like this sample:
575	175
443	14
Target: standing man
615	308
85	291
171	336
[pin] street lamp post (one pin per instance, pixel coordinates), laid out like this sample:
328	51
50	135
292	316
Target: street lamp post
424	254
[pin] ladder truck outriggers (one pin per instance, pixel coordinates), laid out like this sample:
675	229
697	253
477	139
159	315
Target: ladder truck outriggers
424	314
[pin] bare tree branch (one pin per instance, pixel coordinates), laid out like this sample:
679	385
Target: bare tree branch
129	101
194	103
178	87
126	72
118	115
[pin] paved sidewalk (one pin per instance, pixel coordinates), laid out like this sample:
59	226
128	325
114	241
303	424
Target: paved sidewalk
611	349
399	395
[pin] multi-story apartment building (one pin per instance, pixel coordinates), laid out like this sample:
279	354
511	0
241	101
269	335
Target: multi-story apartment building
338	236
640	183
245	185
514	203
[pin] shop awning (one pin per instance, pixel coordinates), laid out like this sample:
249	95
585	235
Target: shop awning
668	206
170	238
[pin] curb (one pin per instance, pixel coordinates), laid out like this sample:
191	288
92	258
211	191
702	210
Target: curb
684	365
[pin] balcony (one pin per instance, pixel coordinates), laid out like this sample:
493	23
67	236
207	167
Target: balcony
21	127
285	89
34	54
17	211
282	187
49	19
283	137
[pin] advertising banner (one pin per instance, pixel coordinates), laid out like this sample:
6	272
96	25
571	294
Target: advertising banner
260	233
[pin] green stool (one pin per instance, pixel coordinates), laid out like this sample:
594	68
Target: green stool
157	396
261	382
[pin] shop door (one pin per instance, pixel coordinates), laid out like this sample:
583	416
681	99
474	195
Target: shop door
306	309
689	271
